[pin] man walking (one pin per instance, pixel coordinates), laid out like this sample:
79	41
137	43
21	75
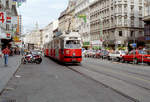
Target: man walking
6	53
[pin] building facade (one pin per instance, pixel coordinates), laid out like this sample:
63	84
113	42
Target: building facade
48	31
8	22
147	23
83	26
66	18
116	22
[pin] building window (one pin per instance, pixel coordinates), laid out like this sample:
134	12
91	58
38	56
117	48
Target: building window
132	8
7	27
7	4
120	33
132	33
140	33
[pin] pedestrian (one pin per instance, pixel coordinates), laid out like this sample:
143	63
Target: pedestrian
22	51
6	53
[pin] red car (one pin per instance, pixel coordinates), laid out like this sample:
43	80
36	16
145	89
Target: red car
137	56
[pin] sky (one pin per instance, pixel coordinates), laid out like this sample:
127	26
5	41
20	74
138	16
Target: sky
41	11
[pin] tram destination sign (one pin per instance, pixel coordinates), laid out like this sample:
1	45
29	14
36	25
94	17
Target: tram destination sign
73	38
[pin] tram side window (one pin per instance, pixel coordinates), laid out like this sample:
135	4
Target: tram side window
62	44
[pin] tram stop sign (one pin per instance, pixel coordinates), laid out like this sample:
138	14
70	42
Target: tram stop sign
134	45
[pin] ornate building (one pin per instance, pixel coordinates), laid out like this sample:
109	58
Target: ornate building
8	22
121	21
146	19
82	9
66	18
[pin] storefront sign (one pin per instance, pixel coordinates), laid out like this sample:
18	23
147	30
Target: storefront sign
86	43
2	17
8	19
16	39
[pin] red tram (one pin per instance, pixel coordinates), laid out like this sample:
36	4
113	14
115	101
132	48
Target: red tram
65	48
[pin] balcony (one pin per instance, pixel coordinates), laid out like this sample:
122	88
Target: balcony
132	13
140	15
146	18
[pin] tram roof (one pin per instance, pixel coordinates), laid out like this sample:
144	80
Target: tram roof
70	34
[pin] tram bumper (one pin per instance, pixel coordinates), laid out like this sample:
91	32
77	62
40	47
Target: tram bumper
72	59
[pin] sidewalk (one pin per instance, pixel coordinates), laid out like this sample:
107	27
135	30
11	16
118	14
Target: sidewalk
7	72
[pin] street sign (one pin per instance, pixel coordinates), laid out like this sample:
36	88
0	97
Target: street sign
147	38
134	45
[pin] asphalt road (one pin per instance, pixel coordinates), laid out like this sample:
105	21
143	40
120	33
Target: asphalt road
51	82
128	79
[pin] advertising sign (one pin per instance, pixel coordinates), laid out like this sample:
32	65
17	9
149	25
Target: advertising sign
16	39
2	17
8	20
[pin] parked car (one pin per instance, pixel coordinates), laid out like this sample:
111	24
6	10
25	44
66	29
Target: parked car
116	55
93	53
104	54
98	54
136	57
37	52
88	53
84	53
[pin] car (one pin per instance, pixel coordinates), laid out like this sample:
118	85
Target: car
137	56
98	54
88	53
104	54
37	52
93	53
116	55
84	53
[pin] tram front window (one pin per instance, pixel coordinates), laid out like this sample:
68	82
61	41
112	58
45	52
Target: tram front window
73	44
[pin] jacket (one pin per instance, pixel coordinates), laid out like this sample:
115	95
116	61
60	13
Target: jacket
6	51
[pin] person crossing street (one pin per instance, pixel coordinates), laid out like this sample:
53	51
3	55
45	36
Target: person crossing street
6	53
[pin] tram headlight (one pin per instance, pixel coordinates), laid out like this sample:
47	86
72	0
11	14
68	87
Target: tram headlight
67	52
74	54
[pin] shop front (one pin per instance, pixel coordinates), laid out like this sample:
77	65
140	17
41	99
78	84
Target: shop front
86	45
97	44
6	39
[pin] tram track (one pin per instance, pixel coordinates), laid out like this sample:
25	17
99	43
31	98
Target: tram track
128	72
147	89
106	86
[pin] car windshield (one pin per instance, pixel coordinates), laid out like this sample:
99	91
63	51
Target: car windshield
142	52
36	52
73	44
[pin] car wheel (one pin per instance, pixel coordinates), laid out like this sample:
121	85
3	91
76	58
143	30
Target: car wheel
148	63
135	61
122	60
118	59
